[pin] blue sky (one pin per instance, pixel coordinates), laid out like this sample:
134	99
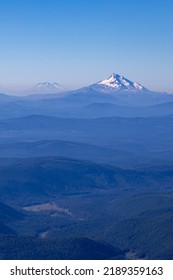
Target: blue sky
78	42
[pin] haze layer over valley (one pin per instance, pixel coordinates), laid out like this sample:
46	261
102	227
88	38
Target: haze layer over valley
82	171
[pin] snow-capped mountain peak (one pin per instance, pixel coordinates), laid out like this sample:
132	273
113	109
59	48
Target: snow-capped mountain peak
42	85
47	87
117	83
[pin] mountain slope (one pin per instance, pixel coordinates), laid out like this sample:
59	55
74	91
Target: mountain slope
29	179
57	249
8	215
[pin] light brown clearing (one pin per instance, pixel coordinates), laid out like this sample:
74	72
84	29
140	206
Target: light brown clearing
52	206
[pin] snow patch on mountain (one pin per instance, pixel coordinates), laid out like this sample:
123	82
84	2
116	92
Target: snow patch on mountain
117	83
47	87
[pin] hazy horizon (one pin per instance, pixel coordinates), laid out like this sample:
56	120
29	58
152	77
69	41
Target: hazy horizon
20	90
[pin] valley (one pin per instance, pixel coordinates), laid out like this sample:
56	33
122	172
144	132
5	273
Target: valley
87	174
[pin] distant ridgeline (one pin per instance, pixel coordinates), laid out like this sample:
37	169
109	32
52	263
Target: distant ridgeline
86	174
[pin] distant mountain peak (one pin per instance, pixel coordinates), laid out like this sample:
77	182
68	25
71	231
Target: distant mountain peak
49	85
117	83
46	87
